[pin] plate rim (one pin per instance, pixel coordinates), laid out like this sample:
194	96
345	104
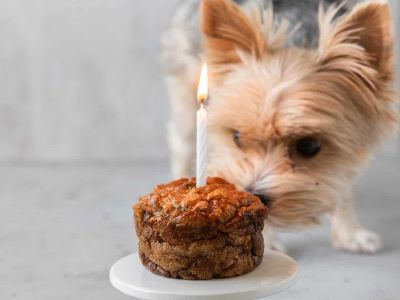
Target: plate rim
144	293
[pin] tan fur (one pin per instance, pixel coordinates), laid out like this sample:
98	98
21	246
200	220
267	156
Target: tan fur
340	93
228	29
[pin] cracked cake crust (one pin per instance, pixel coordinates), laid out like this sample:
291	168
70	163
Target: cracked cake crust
213	231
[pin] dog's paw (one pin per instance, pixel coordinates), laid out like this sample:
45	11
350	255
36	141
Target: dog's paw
360	240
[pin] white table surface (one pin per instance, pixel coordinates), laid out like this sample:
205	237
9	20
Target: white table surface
62	227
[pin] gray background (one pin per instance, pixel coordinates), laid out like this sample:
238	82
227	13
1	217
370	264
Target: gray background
81	80
82	134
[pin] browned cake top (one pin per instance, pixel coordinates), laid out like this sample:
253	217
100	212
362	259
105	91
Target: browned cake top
191	210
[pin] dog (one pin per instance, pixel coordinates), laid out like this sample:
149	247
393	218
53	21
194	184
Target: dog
301	94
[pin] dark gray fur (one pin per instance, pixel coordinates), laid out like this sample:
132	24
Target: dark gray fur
183	37
304	12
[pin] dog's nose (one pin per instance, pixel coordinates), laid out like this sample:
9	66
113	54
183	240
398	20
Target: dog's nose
264	199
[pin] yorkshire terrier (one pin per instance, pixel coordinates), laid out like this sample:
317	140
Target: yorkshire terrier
295	111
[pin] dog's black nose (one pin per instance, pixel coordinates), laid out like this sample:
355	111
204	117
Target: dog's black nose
264	199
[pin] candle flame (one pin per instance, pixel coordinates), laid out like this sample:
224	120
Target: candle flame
202	91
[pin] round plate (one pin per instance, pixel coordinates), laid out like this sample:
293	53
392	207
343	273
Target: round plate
275	273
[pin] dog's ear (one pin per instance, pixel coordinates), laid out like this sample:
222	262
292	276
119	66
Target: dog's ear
364	36
227	31
357	53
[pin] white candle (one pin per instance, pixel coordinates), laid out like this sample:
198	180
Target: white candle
201	145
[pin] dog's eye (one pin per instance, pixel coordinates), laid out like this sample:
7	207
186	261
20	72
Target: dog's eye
308	147
236	137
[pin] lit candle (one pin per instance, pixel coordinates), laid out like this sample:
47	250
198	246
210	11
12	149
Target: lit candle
201	145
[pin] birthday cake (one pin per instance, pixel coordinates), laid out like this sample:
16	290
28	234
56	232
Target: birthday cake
214	231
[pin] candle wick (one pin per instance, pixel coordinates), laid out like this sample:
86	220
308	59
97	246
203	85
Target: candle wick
203	100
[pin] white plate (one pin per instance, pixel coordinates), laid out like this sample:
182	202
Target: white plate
275	273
